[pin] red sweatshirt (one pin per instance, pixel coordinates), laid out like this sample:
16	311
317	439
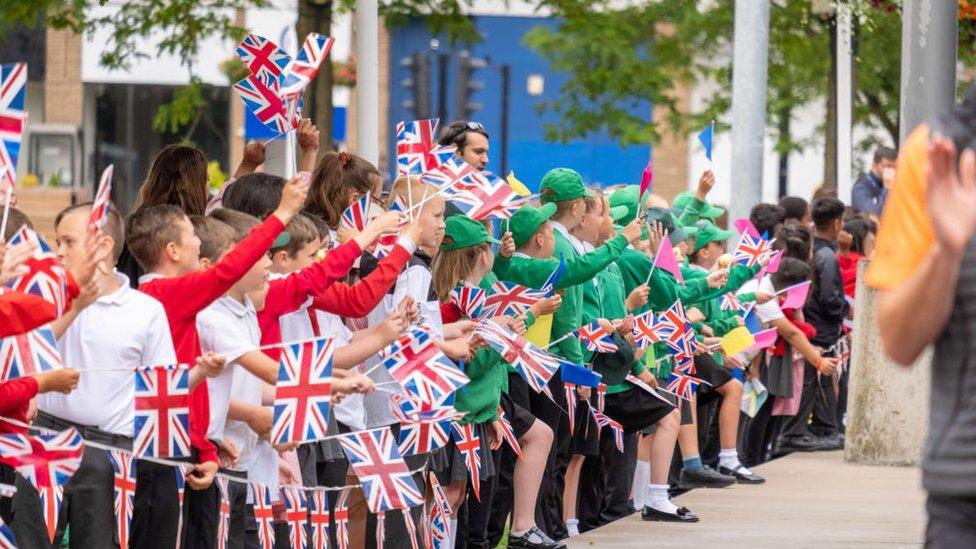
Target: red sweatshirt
848	271
15	398
21	313
808	330
185	296
359	299
286	295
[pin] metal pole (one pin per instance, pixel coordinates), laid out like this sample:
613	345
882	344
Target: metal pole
506	79
367	81
844	102
749	69
442	60
929	31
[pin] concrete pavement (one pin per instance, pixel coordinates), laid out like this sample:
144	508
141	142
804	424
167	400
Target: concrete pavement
809	500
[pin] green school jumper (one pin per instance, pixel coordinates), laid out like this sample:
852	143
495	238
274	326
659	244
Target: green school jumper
604	297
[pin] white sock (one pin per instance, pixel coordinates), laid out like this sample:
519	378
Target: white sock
657	498
572	527
642	476
730	460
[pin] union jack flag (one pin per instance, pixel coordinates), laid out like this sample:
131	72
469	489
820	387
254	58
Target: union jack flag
730	302
750	250
417	149
423	437
385	479
645	332
437	514
162	412
421	368
30	353
481	195
509	299
448	174
674	329
13	119
411	528
603	420
341	516
508	432
263	99
263	514
356	216
6	537
296	514
318	518
303	392
384	244
682	385
595	338
306	65
468	442
264	59
103	201
535	365
46	277
570	390
223	517
408	409
125	492
601	396
469	300
48	466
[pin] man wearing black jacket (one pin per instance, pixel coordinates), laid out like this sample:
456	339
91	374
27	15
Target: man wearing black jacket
826	309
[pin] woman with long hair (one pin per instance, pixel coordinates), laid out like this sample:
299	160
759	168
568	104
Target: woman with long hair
339	180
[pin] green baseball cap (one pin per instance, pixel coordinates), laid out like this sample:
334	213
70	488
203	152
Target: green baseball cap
627	198
683	200
710	232
527	220
618	212
662	215
562	184
463	232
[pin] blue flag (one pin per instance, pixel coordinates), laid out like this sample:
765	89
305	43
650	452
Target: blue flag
706	140
560	270
752	321
578	375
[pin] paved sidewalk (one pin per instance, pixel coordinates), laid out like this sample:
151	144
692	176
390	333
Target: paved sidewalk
809	500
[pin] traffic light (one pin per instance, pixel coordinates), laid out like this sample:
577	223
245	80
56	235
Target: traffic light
418	84
464	107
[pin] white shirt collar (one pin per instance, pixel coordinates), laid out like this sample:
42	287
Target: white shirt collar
236	307
149	277
120	296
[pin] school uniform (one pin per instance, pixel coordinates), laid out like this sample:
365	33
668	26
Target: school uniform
230	328
123	329
183	297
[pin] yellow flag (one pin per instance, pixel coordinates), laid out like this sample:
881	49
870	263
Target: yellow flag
540	333
517	185
737	341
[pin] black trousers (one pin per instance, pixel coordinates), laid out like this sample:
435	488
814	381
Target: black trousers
952	522
605	482
156	513
818	398
552	412
501	507
479	512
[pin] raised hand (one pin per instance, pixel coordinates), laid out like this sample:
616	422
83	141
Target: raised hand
387	222
951	195
507	248
632	232
705	184
14	259
717	278
292	199
638	297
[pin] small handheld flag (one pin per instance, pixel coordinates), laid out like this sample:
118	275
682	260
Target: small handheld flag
665	260
646	183
705	137
103	200
517	185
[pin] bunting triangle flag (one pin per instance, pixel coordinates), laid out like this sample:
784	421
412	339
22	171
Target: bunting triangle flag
666	260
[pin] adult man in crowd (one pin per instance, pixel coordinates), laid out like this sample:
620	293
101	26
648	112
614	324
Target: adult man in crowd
871	189
471	140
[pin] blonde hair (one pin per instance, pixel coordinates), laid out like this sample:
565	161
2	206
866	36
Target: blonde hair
452	265
410	189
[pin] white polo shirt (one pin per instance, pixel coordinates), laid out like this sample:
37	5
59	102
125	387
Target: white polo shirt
769	311
230	329
124	329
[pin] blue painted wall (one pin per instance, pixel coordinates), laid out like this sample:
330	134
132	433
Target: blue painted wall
597	158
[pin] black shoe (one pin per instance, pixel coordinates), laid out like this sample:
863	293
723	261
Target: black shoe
804	443
741	476
683	515
831	442
534	538
706	477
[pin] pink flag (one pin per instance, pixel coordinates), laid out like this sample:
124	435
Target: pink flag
763	339
744	225
647	177
772	266
796	295
665	260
